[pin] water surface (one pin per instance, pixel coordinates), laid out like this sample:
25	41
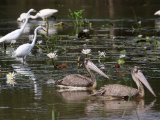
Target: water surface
116	26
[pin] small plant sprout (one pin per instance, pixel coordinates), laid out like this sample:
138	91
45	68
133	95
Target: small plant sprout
11	78
77	16
101	55
122	56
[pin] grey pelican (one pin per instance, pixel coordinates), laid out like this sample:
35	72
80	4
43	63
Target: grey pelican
80	82
116	91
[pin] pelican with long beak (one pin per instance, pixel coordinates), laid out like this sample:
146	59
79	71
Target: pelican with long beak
117	91
80	82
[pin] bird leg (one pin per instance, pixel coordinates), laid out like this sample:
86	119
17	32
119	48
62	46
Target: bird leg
24	58
47	25
4	46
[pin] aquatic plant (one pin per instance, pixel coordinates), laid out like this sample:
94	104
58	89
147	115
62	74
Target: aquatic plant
77	16
101	55
86	51
53	56
11	78
137	27
49	41
79	21
147	41
122	56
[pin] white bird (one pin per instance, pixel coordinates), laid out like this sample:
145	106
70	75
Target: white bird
157	12
23	16
44	14
14	35
23	50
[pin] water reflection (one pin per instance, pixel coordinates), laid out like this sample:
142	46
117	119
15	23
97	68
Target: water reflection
74	96
119	108
25	70
157	24
51	27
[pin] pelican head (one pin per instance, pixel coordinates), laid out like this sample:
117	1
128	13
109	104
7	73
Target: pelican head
91	66
138	77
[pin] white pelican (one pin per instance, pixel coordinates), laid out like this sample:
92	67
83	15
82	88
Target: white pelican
45	14
23	50
14	35
116	91
23	16
79	82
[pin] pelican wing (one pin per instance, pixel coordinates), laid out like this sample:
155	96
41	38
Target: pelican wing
117	90
75	80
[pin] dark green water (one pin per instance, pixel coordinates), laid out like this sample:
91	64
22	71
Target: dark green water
116	28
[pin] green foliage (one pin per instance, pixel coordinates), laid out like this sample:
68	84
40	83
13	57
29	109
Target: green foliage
51	42
147	41
121	61
122	56
77	16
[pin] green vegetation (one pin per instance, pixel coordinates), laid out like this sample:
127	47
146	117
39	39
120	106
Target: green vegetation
77	16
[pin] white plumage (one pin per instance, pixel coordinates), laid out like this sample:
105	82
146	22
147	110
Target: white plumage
23	16
44	13
23	50
14	35
157	13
